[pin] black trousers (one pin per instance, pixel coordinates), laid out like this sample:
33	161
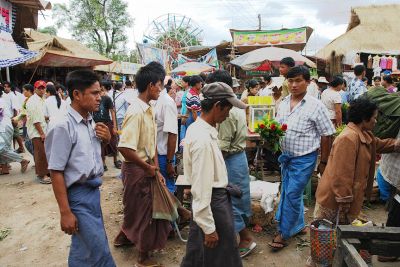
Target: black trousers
393	219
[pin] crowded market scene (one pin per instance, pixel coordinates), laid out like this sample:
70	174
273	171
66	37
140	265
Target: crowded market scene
199	134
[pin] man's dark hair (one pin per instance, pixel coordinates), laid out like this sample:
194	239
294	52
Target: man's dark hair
336	81
365	79
388	79
152	73
299	71
252	83
29	87
361	109
267	78
128	83
186	79
208	104
377	78
203	76
288	61
169	82
7	83
220	76
106	84
118	86
358	70
80	80
195	79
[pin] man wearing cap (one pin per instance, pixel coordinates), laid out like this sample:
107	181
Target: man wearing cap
212	240
36	125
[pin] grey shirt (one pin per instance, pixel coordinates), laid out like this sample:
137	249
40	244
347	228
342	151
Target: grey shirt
72	147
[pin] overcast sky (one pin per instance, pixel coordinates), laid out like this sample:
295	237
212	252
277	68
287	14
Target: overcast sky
328	18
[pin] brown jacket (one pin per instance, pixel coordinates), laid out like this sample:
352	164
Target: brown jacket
351	167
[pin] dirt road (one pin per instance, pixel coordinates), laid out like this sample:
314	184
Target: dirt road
29	215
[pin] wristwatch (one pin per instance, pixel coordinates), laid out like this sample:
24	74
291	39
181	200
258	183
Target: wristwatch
170	161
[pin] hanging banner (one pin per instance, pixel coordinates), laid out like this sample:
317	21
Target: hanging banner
5	15
267	38
210	58
149	54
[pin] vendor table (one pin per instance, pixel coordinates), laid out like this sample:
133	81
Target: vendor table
383	241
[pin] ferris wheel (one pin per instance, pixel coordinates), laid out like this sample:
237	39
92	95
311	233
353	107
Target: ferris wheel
174	33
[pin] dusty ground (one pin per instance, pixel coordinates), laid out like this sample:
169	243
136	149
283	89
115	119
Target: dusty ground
29	211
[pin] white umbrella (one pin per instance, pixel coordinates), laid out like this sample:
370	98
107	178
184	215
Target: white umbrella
253	59
192	68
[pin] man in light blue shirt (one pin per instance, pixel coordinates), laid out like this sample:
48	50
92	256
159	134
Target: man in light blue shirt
357	86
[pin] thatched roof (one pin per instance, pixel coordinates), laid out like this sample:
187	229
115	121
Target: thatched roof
372	29
60	52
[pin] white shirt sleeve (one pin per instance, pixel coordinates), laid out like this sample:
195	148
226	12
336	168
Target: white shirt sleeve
202	177
170	119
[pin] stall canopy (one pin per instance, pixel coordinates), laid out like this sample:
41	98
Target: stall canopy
120	67
60	52
372	29
35	4
192	68
12	54
252	60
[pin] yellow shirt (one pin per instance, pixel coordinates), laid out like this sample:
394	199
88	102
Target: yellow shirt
285	88
139	129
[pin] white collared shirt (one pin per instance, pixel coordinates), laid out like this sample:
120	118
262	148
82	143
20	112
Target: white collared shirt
167	121
307	122
205	169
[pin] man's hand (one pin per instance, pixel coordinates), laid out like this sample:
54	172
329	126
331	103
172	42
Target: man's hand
102	132
211	240
151	170
161	178
115	131
170	170
69	223
321	168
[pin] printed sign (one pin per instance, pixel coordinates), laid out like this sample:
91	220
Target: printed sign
264	38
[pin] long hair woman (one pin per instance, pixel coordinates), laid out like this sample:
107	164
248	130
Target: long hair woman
55	107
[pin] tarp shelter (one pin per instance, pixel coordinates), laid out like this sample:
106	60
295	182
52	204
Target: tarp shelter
192	68
60	52
372	29
127	68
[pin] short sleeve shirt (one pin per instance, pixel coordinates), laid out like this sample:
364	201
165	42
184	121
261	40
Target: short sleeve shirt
331	97
72	147
103	114
307	122
356	89
139	130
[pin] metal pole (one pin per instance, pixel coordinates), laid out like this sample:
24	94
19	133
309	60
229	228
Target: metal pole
259	22
8	74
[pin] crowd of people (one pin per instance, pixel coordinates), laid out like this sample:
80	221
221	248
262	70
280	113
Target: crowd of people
143	124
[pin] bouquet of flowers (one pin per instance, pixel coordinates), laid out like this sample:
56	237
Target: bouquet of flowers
272	132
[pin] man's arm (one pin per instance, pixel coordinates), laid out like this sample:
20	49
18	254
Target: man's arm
69	223
171	147
131	156
38	127
338	114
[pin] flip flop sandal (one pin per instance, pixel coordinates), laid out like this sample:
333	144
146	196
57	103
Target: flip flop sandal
246	251
274	248
46	180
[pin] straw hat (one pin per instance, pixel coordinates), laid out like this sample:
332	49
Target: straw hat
322	79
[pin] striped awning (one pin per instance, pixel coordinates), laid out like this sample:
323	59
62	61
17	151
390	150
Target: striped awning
12	54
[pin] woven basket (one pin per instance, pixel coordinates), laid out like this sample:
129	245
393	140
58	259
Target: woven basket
323	244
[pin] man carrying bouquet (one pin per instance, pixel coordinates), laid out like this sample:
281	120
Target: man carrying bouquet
308	129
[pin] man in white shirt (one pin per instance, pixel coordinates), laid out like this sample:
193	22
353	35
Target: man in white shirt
120	103
269	84
212	240
130	92
167	136
16	106
313	89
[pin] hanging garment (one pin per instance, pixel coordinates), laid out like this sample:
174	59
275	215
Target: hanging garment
357	60
370	62
389	63
383	62
394	65
376	59
377	71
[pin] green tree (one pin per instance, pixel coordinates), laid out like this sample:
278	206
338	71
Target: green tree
100	24
49	30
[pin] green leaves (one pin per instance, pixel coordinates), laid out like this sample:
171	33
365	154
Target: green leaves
100	24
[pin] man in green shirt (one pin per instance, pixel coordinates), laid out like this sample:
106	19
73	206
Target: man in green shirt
232	141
